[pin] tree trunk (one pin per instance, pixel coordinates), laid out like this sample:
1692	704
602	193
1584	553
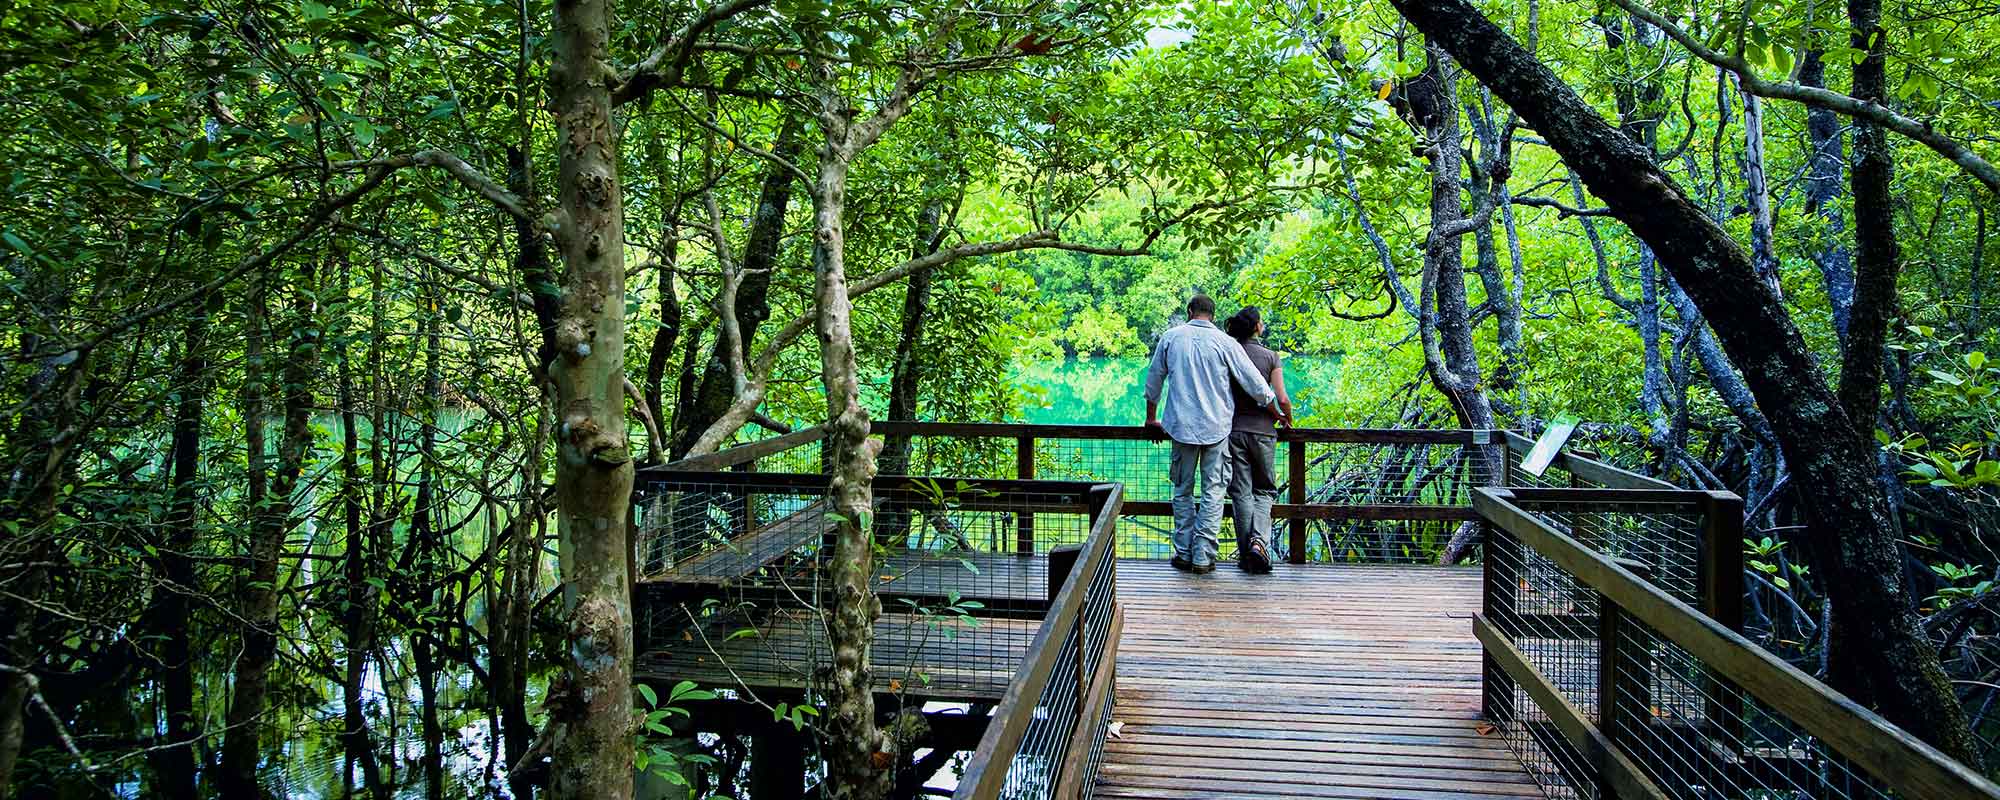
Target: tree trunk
1450	357
1891	663
906	376
31	499
1444	319
592	705
238	779
712	399
1876	259
358	619
1757	194
427	540
271	522
859	763
1822	195
521	572
171	612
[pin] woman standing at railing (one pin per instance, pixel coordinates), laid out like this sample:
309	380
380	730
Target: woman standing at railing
1253	446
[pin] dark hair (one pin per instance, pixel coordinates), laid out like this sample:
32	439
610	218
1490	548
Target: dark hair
1244	325
1201	306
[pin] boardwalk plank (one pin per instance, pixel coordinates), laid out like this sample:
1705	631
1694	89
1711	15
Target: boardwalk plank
1356	682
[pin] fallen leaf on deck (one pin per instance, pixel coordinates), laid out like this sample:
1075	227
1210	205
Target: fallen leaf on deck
1484	728
1115	729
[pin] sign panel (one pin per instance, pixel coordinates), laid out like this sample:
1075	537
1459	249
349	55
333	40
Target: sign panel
1551	443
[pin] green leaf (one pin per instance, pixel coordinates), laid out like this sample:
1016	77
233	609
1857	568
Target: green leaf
363	59
645	691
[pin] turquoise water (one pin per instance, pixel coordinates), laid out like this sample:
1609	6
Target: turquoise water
1112	391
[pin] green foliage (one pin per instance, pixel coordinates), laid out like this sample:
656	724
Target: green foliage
653	751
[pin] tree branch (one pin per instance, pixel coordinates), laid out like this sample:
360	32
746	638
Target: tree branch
1562	211
663	66
1921	132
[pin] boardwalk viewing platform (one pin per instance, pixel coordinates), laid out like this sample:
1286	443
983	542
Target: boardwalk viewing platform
1033	641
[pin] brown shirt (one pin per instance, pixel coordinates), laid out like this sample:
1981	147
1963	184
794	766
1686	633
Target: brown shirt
1250	418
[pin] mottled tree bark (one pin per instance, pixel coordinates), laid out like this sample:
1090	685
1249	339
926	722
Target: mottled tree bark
1757	193
1450	359
1876	258
1444	317
858	754
1503	290
1889	661
591	706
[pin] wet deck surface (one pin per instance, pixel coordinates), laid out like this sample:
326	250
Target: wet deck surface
1315	681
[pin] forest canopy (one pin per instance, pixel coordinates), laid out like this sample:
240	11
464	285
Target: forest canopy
335	331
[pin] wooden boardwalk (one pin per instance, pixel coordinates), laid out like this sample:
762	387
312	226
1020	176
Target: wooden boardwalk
1315	681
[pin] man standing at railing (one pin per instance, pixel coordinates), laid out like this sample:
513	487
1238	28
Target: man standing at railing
1196	363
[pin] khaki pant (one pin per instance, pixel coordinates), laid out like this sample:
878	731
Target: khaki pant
1253	488
1198	520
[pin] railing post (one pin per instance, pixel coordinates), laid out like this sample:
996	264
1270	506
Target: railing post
1295	462
1722	558
1024	469
1721	582
746	513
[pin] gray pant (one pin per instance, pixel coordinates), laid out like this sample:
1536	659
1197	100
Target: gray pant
1198	521
1253	487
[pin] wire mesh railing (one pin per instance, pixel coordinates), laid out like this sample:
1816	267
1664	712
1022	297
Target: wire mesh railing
1345	495
1607	679
1046	737
733	567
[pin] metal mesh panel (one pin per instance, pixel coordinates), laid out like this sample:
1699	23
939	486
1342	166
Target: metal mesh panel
1390	471
1664	539
1058	714
1553	620
1396	473
1033	770
1700	737
804	459
1370	541
1693	733
736	567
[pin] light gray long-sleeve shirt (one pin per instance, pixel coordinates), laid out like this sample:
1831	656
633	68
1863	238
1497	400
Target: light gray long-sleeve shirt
1195	363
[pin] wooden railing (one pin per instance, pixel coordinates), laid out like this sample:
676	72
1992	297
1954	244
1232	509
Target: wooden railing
1608	684
1347	494
1047	734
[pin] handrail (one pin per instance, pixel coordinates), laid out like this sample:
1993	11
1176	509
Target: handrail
743	453
987	772
1017	430
1907	765
1581	466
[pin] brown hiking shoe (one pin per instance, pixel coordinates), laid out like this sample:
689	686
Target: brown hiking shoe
1254	560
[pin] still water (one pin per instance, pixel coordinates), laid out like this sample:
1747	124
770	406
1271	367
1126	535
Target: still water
1112	391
